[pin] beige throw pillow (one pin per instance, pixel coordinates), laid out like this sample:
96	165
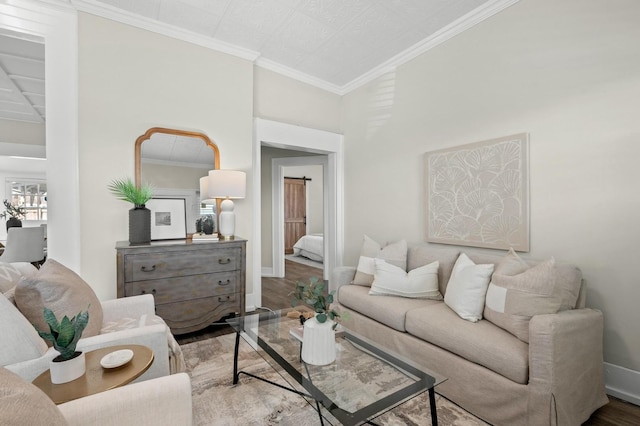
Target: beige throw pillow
512	300
61	290
394	253
420	283
22	403
467	288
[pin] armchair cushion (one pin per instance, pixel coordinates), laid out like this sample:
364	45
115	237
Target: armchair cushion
22	403
9	276
61	290
20	341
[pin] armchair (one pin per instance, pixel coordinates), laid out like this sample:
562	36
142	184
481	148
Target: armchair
129	320
162	401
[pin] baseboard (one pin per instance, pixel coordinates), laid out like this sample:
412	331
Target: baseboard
267	271
622	383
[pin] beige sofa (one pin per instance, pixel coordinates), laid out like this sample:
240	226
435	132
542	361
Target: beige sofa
557	378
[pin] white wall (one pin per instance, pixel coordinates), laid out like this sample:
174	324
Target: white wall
568	73
131	80
283	99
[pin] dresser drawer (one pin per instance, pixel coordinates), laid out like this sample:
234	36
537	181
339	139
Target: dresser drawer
150	266
169	290
191	315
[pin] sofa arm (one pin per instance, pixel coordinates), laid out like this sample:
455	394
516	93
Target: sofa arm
162	401
340	276
128	307
566	363
151	336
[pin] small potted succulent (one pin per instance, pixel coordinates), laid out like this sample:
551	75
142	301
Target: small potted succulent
16	214
64	336
318	340
139	215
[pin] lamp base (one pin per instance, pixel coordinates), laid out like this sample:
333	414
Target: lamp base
226	237
226	220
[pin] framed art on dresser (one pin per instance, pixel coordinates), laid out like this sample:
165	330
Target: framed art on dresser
168	218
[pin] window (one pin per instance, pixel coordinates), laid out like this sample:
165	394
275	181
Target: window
30	194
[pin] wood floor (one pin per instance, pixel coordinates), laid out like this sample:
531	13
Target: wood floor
275	295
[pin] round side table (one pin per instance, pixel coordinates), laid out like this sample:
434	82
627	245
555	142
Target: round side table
96	378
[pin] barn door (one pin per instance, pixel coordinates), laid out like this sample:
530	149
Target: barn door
295	212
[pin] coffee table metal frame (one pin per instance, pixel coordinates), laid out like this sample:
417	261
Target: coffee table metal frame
423	381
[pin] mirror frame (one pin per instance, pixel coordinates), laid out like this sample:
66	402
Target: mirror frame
153	130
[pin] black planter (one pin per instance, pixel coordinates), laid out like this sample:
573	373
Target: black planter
13	222
139	225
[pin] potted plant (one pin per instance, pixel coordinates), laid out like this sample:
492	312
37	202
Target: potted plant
64	336
318	340
16	214
139	215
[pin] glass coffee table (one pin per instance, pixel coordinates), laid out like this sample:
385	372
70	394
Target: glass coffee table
365	381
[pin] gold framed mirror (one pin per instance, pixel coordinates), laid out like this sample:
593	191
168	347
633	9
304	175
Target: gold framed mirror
173	161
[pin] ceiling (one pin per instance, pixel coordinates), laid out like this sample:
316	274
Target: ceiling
21	77
336	45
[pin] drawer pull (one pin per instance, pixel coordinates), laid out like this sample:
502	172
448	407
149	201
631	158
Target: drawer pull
145	269
224	299
224	261
153	291
220	282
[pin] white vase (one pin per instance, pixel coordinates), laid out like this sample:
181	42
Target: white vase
318	342
66	371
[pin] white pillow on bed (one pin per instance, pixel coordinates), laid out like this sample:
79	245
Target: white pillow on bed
419	283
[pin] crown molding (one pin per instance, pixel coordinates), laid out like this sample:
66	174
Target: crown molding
465	22
297	75
456	27
106	11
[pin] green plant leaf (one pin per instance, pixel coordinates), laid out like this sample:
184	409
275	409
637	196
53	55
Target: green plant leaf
125	189
321	318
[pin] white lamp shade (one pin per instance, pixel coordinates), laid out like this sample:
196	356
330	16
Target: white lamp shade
204	191
227	184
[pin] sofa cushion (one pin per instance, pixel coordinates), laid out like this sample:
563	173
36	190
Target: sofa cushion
61	290
467	288
512	300
424	254
420	283
394	253
388	310
481	342
24	404
20	341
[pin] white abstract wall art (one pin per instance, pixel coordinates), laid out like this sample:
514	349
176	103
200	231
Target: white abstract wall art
478	194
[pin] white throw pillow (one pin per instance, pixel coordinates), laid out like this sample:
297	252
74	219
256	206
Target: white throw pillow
420	283
394	253
467	288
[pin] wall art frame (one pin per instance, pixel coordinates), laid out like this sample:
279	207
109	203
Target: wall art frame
478	194
168	218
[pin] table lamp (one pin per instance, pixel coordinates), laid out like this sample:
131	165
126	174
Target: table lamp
227	184
204	191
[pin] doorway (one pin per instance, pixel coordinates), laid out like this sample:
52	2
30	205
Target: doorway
329	146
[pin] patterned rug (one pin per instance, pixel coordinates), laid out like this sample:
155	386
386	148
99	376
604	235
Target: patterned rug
217	401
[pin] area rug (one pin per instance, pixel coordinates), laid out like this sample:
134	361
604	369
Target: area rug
216	401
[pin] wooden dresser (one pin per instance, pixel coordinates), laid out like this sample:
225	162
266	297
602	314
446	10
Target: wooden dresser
194	284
